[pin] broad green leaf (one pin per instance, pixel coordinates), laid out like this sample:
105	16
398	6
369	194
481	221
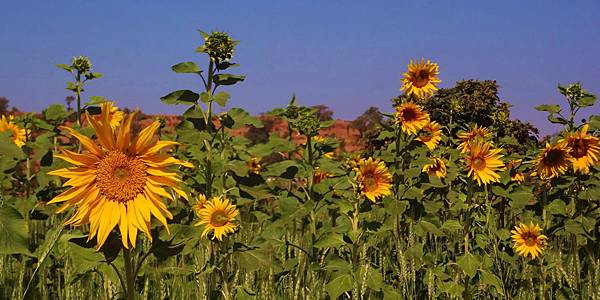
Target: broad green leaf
55	112
221	98
469	263
551	108
180	97
375	279
429	227
493	280
339	285
186	67
13	232
330	240
228	79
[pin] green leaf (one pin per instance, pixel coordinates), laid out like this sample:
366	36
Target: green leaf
92	76
221	98
8	149
375	280
493	280
551	108
186	67
252	260
228	79
587	100
242	118
429	227
519	198
339	285
65	67
557	120
55	112
13	232
469	263
180	97
594	122
452	226
330	240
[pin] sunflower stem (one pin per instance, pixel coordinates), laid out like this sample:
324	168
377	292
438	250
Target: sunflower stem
129	274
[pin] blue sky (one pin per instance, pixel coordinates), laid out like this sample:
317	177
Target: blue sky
348	55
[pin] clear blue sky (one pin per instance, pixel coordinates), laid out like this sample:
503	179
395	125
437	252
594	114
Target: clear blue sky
344	54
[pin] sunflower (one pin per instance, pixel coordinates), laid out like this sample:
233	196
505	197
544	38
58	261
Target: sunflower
585	149
421	78
115	116
200	202
411	117
319	175
254	165
483	162
476	132
553	161
528	240
118	182
515	174
19	135
437	167
431	135
373	179
518	177
218	215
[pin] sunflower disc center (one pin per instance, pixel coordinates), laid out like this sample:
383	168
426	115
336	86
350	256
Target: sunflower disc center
219	219
580	149
421	78
478	163
120	177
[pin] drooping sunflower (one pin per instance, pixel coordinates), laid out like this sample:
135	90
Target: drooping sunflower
437	167
19	135
254	165
476	132
585	149
373	178
553	161
430	135
218	216
484	162
411	117
421	79
115	116
528	240
120	181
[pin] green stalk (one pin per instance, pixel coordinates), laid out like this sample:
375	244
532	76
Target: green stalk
129	275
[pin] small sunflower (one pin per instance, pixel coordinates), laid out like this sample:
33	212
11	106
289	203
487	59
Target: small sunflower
421	79
373	178
553	161
483	162
118	182
115	116
585	149
528	240
19	135
430	135
254	165
411	117
515	175
218	216
437	167
476	132
319	175
200	202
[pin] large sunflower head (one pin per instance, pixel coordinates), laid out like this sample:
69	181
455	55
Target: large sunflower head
585	149
484	162
437	167
476	132
218	216
373	178
421	79
528	240
553	161
430	135
411	117
120	180
19	135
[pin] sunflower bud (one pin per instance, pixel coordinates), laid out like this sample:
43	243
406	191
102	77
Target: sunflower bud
82	64
219	46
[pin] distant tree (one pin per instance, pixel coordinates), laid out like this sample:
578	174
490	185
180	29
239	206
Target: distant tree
4	105
477	102
69	100
323	112
368	122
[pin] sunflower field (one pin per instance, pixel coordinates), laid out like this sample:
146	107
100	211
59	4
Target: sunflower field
95	206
